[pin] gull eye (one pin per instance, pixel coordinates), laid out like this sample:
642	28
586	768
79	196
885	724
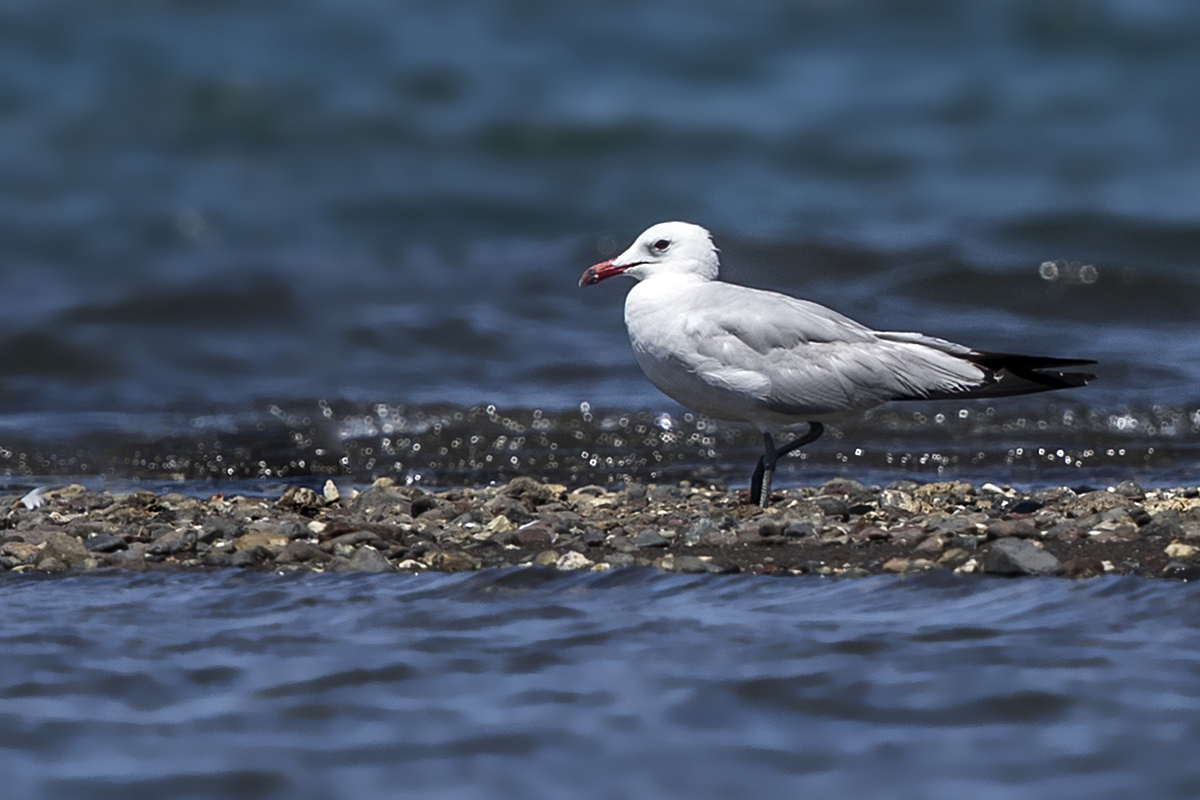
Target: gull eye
662	244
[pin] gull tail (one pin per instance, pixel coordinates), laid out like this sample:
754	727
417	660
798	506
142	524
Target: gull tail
1010	374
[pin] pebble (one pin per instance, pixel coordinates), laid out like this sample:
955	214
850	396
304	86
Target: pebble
364	559
574	560
840	528
1181	550
104	543
650	538
1014	556
172	542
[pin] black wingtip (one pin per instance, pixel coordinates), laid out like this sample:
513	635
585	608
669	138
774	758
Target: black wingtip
1022	363
1013	374
1010	374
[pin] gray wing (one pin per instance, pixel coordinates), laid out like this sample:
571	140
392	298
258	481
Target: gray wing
798	357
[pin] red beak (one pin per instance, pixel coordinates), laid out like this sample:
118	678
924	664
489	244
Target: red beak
598	272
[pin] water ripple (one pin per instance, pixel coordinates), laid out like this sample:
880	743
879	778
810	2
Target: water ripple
684	680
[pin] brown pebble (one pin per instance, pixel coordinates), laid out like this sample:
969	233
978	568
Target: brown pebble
453	561
933	544
1083	567
1011	527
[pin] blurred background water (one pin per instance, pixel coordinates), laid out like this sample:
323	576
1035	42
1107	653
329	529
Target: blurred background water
295	231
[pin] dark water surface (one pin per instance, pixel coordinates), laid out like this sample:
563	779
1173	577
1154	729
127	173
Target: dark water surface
219	217
528	684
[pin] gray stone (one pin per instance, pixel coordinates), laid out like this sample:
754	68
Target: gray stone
530	492
664	494
619	560
650	538
1004	528
156	530
301	552
513	509
365	559
83	527
104	543
622	545
799	530
949	525
692	565
134	552
770	530
384	499
562	522
593	538
844	486
355	538
176	541
832	506
1166	524
472	516
1131	489
1019	557
748	532
251	557
215	528
288	528
1065	532
65	549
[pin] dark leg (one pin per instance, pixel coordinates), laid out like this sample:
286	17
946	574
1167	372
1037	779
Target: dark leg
815	429
767	463
756	480
764	473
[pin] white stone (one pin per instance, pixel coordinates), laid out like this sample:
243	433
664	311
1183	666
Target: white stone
1181	550
573	560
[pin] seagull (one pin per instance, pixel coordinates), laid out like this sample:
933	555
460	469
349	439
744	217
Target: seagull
747	355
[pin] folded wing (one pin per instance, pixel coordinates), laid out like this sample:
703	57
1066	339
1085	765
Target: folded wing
799	358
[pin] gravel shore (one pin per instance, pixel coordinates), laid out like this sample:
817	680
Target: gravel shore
840	528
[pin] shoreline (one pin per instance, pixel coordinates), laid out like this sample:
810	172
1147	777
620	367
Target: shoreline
839	528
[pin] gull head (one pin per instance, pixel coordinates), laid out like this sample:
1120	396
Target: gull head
674	248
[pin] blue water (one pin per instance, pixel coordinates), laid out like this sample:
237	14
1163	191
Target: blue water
628	684
247	227
231	204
